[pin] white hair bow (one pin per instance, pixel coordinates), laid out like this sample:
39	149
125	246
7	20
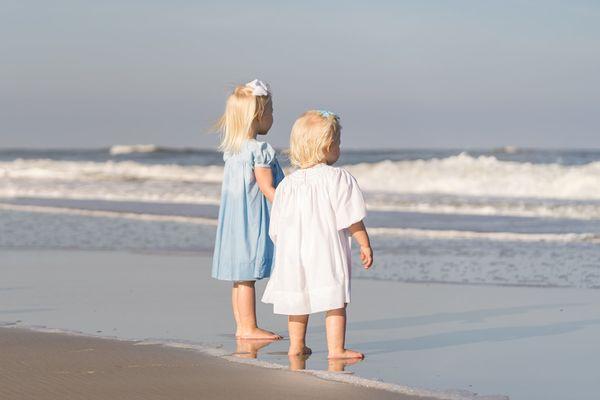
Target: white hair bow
259	88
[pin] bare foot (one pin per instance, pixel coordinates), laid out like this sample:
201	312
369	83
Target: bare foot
300	351
347	353
257	333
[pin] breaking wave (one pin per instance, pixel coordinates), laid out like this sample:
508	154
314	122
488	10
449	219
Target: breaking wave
460	184
45	169
483	176
462	175
136	148
124	149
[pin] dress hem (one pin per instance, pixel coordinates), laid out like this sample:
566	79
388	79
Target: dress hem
310	302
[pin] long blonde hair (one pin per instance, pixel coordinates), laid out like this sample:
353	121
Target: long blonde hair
243	110
312	136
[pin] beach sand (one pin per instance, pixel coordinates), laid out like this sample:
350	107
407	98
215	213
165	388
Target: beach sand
36	365
430	339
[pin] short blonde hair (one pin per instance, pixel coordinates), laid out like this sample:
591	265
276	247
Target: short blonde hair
312	136
242	111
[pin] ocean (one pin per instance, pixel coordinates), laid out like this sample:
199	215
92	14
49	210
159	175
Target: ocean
507	216
486	273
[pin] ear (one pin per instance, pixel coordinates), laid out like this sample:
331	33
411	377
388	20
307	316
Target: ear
329	146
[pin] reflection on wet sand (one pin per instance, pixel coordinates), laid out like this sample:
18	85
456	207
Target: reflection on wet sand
248	348
298	363
340	364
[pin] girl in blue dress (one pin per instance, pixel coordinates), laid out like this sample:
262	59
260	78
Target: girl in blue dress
243	249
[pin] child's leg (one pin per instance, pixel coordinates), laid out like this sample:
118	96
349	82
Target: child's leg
234	305
246	305
297	330
335	324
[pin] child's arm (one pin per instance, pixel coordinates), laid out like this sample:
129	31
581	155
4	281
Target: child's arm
264	178
359	233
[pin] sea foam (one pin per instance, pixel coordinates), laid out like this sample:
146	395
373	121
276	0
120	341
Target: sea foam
459	184
46	169
481	176
458	175
136	148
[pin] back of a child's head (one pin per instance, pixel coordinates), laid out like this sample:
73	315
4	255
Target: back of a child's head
244	107
313	134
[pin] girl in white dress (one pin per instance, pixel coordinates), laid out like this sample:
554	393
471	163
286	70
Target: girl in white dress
316	210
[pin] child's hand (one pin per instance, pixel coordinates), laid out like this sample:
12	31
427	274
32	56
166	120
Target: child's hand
366	256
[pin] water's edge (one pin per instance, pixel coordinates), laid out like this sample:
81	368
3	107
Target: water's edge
218	351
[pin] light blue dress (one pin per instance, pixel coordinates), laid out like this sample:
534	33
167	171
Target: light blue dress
243	249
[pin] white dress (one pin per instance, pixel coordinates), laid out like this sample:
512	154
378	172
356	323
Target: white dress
311	212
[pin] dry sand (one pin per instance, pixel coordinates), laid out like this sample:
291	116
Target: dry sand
36	365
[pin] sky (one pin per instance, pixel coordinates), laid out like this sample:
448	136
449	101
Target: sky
401	74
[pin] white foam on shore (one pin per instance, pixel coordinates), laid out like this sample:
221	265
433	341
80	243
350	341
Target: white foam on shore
496	236
209	193
377	231
488	207
109	214
452	394
159	193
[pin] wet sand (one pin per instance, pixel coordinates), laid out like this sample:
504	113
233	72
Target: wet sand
429	339
36	365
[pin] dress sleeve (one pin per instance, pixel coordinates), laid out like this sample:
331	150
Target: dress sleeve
349	204
263	155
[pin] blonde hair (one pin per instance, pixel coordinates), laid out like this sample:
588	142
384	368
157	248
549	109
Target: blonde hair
243	110
312	136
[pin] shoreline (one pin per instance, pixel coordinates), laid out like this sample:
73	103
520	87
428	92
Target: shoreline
444	341
402	392
57	365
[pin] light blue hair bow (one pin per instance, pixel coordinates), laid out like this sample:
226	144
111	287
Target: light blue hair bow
326	114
